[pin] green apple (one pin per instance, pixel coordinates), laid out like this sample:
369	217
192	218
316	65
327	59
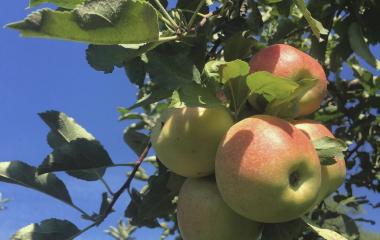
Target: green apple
286	61
332	175
186	139
203	215
267	170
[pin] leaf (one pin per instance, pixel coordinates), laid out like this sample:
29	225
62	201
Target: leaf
74	149
285	26
125	22
48	229
80	158
316	26
284	231
106	57
137	141
135	70
359	45
211	70
327	234
156	201
68	4
17	172
234	69
281	94
122	231
171	70
125	114
239	47
233	76
193	95
328	149
105	203
157	94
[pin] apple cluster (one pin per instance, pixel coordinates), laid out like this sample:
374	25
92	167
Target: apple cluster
262	169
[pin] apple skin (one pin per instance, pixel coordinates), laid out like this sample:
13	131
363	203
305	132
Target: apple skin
332	175
186	139
256	167
203	215
286	61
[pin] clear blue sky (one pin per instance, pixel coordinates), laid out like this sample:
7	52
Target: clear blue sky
38	75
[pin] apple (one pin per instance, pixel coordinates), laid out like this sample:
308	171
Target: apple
286	61
267	170
186	139
332	175
203	215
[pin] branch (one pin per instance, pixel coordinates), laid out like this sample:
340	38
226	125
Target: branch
192	19
117	195
126	185
165	14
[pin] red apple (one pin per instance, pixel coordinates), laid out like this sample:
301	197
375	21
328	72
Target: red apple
286	61
332	175
203	215
267	170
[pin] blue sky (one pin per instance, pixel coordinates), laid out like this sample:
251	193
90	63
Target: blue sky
38	75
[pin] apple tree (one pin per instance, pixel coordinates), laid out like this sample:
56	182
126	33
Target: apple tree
195	54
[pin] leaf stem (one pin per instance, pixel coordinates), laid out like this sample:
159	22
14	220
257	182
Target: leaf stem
78	209
109	190
166	14
192	19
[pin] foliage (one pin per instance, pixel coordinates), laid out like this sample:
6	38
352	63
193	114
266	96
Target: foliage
186	56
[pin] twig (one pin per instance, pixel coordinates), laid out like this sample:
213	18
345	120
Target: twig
166	14
126	185
192	19
117	195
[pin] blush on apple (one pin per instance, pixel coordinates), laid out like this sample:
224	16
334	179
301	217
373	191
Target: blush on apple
286	61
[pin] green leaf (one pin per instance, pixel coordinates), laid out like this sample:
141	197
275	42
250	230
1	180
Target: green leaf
359	45
106	57
156	200
193	95
234	69
17	172
211	70
328	149
316	26
156	94
135	70
285	26
284	231
136	140
327	234
80	158
48	229
233	76
68	4
125	114
281	94
239	47
171	70
95	22
74	149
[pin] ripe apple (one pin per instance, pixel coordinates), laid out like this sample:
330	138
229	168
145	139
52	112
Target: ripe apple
203	215
332	175
186	139
286	61
267	170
